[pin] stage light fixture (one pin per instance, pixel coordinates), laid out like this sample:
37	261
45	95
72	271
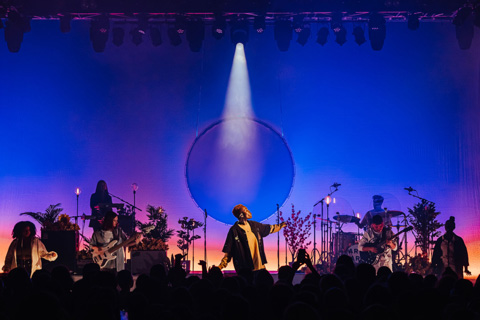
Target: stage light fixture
219	26
322	36
174	36
14	29
413	22
155	36
195	34
137	35
340	34
298	23
328	200
99	28
27	26
143	24
259	23
476	20
304	35
180	24
140	30
283	34
377	31
239	31
464	27
118	36
338	29
65	23
463	14
359	34
464	34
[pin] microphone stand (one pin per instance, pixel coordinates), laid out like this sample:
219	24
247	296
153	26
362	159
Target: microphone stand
126	202
418	197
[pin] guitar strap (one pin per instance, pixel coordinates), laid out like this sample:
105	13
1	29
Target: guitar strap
384	234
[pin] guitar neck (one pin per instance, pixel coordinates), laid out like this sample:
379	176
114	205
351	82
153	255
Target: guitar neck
121	245
398	233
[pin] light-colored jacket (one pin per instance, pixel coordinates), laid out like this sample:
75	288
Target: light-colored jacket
39	252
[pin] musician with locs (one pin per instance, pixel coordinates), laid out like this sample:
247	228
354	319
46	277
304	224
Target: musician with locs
450	251
375	235
101	238
244	243
377	210
26	250
99	202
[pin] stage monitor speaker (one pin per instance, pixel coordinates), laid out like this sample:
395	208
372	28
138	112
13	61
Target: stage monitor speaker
64	243
142	261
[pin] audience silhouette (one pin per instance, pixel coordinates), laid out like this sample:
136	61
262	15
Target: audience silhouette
351	292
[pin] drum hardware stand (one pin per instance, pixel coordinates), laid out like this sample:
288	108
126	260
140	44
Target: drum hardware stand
338	229
278	238
326	227
205	235
315	250
402	255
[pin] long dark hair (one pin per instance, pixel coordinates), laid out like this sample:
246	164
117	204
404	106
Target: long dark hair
101	187
17	232
108	220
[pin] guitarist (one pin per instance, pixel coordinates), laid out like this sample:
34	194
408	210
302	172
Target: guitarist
110	231
378	233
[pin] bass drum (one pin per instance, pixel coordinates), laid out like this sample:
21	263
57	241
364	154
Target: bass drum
342	241
353	253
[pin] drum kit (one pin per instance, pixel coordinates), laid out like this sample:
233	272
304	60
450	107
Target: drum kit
346	243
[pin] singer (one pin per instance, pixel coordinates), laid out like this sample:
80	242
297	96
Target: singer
98	200
244	243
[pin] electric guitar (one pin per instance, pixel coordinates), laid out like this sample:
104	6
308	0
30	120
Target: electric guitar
371	257
102	255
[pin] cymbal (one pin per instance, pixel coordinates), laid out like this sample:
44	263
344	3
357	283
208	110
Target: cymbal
390	213
346	218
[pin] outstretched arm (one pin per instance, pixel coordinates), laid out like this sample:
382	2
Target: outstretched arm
277	227
44	254
203	263
310	265
225	260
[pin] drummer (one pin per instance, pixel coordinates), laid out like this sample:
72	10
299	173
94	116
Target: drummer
377	210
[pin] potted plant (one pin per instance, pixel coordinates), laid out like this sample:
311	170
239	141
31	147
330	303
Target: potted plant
187	236
153	247
297	231
425	225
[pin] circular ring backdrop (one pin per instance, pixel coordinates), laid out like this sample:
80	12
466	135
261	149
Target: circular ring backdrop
239	160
